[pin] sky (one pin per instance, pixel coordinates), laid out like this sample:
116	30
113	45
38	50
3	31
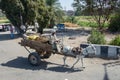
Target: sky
66	4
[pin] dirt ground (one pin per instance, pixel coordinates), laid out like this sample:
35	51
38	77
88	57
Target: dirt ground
74	36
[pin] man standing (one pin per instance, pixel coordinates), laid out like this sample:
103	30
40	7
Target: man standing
23	28
54	41
11	31
36	26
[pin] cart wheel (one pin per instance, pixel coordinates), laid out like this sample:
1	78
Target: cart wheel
34	58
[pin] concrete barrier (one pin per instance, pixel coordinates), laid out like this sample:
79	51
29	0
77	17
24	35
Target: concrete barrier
105	51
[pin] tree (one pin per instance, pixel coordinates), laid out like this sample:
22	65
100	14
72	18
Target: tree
78	7
99	9
12	10
55	11
26	12
43	15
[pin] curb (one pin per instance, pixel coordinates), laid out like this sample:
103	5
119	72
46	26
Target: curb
105	51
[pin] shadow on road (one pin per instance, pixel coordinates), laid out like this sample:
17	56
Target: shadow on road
110	64
4	37
64	69
23	63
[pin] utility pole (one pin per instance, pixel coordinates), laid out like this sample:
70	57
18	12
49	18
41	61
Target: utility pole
21	19
23	28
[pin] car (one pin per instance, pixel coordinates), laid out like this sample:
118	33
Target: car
60	27
3	28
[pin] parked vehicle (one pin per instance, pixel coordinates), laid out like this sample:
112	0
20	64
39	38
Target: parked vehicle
3	28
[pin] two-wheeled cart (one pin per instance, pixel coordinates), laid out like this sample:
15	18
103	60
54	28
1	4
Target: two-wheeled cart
43	49
41	46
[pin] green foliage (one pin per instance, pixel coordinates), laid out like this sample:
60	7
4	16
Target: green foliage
87	24
4	21
11	8
55	11
71	19
96	37
43	15
115	41
30	10
97	9
67	19
114	25
84	21
59	16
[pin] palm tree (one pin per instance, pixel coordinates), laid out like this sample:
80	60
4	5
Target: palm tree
55	11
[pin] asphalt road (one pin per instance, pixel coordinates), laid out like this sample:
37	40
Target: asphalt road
14	65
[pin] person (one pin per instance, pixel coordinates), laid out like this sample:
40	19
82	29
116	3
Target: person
54	40
11	32
55	28
36	26
23	28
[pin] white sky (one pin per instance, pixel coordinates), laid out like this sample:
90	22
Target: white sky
66	4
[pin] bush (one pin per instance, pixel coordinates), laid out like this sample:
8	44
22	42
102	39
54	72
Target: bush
96	37
71	19
114	25
93	24
115	41
83	23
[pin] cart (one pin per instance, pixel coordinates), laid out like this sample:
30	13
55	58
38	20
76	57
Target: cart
41	45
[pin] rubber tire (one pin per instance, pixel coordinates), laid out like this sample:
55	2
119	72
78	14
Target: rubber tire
34	59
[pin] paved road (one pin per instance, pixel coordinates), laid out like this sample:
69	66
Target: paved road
14	65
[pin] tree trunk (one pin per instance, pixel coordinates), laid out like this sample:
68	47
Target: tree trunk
40	30
52	23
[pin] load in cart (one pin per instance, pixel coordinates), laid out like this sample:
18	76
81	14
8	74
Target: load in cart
41	46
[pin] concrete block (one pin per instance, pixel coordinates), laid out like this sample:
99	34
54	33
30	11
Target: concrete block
98	50
105	51
112	52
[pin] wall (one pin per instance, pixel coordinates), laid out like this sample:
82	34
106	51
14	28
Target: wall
105	51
